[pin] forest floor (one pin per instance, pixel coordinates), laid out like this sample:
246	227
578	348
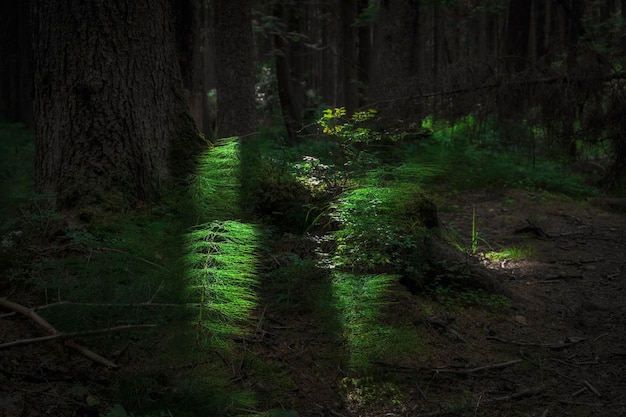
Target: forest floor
559	350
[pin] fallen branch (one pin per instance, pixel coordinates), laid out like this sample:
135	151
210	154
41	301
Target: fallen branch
519	394
592	388
478	369
138	257
55	334
516	395
36	318
58	335
90	354
72	303
144	304
558	345
452	371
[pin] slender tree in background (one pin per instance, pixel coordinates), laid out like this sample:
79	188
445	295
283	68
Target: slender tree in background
194	23
395	59
112	122
236	107
288	59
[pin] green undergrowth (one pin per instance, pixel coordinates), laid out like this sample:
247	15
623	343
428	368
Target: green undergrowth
326	229
222	268
469	156
361	301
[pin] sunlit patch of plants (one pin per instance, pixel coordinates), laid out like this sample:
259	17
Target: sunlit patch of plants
222	263
359	300
514	253
379	232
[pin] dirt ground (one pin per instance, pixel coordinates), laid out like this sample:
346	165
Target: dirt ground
558	351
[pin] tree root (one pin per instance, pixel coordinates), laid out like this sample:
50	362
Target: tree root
479	276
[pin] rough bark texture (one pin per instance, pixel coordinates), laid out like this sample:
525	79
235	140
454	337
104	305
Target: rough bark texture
112	124
16	94
236	108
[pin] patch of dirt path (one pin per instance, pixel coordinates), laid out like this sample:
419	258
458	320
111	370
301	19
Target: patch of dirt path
575	281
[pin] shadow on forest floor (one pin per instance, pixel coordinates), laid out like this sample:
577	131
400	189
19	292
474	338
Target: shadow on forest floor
310	350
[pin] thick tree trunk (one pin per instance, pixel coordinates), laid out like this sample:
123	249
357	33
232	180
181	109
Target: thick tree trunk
236	108
112	123
16	64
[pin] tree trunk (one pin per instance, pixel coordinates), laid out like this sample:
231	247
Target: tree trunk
234	46
289	95
193	19
16	64
112	123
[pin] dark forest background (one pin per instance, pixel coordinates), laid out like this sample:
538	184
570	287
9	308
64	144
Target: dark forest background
182	181
553	66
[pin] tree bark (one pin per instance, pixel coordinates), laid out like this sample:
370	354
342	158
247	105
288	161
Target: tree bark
112	123
289	94
236	107
16	64
192	26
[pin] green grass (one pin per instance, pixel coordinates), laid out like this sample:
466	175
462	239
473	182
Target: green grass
360	300
222	269
216	188
513	253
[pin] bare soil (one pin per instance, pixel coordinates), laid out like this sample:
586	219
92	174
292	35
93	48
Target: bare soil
560	351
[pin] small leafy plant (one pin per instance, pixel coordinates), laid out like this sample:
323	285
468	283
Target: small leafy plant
349	129
351	133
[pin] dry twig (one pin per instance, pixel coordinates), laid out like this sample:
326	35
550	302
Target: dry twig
55	334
